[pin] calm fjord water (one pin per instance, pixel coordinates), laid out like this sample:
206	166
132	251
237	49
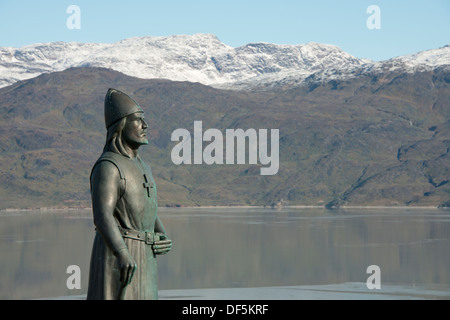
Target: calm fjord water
237	248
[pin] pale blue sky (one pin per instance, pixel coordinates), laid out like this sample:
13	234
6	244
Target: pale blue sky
406	26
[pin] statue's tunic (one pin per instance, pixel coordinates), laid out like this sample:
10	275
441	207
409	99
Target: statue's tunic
136	209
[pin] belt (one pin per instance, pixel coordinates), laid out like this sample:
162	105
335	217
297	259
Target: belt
148	237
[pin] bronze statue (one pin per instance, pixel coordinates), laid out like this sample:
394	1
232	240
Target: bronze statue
129	233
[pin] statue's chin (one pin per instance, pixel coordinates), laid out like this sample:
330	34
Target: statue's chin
141	141
136	142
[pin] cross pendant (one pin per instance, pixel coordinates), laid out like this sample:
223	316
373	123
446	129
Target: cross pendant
147	185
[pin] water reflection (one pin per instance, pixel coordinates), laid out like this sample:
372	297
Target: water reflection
223	248
310	246
36	249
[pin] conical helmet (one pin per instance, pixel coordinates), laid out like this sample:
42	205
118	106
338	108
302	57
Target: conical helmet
118	105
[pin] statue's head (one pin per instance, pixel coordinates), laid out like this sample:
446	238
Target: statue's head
125	123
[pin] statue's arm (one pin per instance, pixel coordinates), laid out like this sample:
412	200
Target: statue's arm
105	189
105	192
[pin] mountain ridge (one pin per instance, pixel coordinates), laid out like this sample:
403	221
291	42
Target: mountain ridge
205	59
372	141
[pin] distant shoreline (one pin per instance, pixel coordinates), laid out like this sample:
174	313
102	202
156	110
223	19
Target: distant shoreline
56	209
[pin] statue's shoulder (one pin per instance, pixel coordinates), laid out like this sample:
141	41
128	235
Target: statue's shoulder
106	169
111	155
110	161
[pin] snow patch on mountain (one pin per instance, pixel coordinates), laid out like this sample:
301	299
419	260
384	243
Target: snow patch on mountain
205	59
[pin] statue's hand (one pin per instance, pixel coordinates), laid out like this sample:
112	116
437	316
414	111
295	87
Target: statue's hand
127	266
163	245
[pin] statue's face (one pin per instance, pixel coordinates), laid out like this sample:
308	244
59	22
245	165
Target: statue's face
135	131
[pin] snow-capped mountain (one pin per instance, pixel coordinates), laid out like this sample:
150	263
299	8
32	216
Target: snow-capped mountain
204	58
